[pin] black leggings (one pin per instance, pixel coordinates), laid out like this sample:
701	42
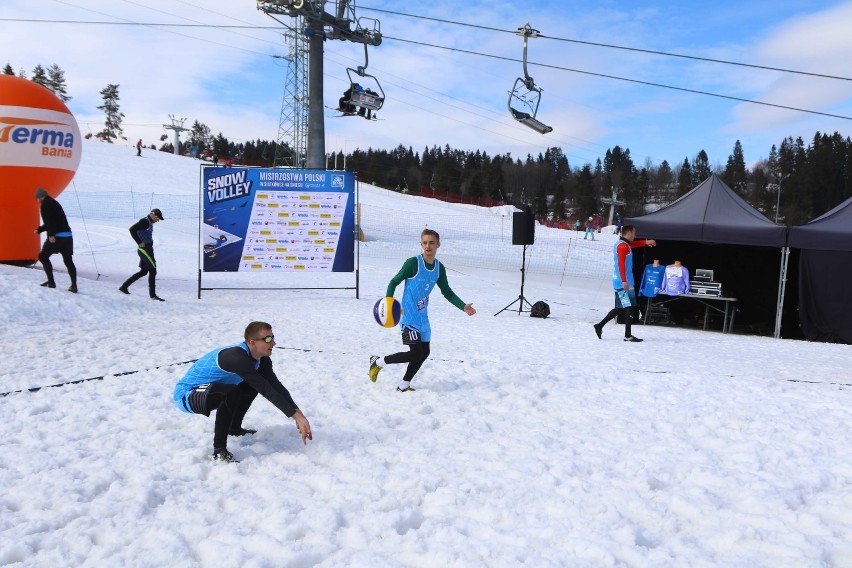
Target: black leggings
629	314
417	354
152	280
147	265
65	247
231	402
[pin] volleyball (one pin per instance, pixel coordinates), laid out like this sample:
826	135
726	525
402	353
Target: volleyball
387	312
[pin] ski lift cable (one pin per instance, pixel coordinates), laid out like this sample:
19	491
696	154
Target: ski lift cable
626	79
620	47
602	75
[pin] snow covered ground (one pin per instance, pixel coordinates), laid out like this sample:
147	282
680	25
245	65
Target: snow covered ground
528	442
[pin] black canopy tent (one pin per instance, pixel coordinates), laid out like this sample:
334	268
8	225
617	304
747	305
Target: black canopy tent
713	227
825	270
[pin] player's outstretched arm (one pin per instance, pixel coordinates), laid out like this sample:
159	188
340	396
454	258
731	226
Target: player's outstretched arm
469	310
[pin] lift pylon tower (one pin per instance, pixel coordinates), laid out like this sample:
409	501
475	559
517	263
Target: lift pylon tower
318	25
291	150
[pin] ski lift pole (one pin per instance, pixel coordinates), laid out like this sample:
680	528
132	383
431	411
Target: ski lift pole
362	70
527	32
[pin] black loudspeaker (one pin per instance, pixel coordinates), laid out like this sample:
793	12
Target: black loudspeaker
523	228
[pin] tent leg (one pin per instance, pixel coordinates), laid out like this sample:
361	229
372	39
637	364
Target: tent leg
782	288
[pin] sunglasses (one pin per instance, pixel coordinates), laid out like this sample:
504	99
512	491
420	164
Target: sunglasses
268	339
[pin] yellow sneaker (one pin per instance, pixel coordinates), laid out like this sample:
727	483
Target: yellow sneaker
374	369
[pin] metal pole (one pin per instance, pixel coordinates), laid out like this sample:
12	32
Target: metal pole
782	288
316	120
778	201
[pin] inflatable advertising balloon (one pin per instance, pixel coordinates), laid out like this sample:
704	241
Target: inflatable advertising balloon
40	146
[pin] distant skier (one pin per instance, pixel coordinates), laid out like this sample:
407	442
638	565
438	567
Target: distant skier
139	148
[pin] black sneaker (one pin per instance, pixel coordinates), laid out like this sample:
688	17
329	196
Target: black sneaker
124	290
73	289
48	284
157	298
241	431
633	339
598	330
223	455
406	389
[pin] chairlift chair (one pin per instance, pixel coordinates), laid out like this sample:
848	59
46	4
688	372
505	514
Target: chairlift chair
525	95
364	96
362	99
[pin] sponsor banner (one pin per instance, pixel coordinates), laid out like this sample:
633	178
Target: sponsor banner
276	220
38	138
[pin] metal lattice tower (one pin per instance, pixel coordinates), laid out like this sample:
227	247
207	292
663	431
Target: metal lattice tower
302	119
293	124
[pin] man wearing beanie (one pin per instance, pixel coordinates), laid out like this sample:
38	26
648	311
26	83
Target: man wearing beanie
59	239
143	233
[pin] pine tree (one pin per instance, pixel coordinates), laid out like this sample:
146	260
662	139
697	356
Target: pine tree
56	82
736	175
665	176
700	168
200	136
684	178
8	69
112	125
39	76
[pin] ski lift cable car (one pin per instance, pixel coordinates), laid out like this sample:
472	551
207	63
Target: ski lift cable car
525	95
364	96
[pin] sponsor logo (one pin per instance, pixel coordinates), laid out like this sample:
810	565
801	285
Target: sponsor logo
229	186
55	138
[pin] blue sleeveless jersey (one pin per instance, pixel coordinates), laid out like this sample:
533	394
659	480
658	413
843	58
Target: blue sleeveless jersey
204	371
628	266
415	298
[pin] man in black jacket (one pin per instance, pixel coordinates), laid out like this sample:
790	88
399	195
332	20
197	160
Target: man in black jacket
59	239
143	233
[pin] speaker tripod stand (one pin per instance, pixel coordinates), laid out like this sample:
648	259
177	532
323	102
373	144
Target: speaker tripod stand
521	300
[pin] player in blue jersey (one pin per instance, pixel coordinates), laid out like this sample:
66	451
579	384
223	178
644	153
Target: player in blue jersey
623	283
420	273
228	379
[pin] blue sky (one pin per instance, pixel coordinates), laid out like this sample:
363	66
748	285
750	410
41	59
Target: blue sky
228	79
